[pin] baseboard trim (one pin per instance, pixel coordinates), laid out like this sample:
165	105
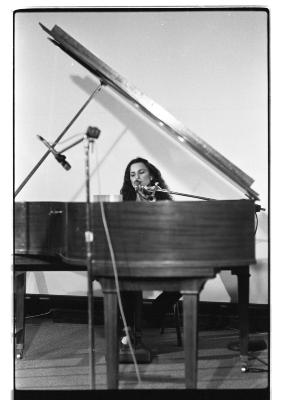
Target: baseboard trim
212	315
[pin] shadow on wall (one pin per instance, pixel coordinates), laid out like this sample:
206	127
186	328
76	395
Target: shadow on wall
159	143
36	282
262	231
104	158
149	136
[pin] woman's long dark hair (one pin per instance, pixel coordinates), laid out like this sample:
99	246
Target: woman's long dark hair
127	191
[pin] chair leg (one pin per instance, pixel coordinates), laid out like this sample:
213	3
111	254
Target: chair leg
176	315
177	324
162	327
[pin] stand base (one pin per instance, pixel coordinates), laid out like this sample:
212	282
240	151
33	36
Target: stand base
253	345
142	355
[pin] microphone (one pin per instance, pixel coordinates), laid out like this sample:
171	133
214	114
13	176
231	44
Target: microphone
93	132
59	157
137	185
147	190
153	189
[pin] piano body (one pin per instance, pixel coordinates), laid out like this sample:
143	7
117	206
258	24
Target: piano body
186	242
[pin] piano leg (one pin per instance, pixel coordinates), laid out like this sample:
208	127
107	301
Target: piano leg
190	308
111	333
19	294
243	304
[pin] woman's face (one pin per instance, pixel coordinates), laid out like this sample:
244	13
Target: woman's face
139	174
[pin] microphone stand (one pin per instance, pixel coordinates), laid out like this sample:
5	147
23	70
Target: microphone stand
188	195
258	207
89	237
89	137
255	344
156	188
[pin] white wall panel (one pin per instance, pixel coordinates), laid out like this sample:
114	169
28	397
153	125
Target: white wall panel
208	69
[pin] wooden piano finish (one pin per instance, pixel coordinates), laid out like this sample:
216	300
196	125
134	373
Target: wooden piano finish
164	245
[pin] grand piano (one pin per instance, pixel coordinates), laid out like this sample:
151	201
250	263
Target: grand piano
183	243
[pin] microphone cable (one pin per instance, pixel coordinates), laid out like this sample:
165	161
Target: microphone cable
256	224
112	254
118	289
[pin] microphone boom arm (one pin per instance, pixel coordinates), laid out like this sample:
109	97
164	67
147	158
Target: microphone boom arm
35	168
156	188
190	195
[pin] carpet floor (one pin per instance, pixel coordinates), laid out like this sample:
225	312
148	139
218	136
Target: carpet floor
56	358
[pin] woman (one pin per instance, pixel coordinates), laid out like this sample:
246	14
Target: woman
139	173
140	178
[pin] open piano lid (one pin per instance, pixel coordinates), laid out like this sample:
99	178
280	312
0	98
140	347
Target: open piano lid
151	109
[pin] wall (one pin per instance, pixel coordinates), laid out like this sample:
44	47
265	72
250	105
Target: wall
208	69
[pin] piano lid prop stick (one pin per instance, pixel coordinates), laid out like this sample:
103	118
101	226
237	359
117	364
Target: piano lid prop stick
24	182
